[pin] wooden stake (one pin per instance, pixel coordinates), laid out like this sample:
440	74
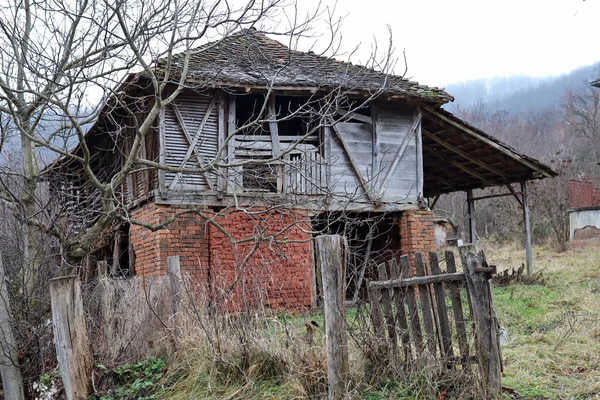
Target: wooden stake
70	336
486	342
332	260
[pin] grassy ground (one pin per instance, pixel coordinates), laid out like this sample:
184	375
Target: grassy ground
553	348
554	329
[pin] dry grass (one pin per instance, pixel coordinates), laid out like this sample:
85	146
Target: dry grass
553	349
554	329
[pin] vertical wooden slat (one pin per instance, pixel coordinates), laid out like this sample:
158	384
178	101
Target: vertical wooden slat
412	309
399	295
376	317
425	306
386	299
442	310
459	318
221	141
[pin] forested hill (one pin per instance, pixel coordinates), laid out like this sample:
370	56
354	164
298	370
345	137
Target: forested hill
519	94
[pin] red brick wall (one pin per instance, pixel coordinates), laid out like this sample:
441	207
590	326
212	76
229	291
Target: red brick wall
279	274
417	231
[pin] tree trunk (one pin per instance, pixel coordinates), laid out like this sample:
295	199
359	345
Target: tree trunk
12	382
30	237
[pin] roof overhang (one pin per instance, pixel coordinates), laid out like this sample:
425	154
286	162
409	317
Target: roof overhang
458	156
595	82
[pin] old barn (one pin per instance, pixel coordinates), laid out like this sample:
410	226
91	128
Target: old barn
266	147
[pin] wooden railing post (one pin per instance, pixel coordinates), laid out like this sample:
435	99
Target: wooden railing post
331	258
486	340
70	336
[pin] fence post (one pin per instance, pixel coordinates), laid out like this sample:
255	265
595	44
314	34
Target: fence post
486	340
174	272
331	257
70	336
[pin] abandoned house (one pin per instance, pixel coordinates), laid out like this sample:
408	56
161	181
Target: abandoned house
288	145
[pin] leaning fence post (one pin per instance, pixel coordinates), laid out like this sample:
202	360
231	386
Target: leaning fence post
486	344
332	260
70	336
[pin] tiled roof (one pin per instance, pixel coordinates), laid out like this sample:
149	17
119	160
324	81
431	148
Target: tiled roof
250	58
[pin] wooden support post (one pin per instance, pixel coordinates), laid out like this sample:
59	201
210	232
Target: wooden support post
331	256
527	224
486	342
471	209
70	336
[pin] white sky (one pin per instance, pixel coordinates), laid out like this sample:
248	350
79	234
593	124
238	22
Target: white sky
448	41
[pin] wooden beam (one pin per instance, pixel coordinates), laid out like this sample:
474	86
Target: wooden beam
221	139
471	209
162	149
515	194
419	139
399	153
231	127
487	141
492	196
275	144
434	202
464	154
526	222
352	115
357	172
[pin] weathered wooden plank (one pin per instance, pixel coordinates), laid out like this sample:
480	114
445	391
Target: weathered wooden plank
413	313
459	317
420	280
486	338
425	306
442	310
399	153
357	172
375	312
472	219
388	312
332	260
399	295
419	139
70	336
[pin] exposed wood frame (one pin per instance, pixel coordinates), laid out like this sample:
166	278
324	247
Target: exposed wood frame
434	202
352	115
192	140
275	143
515	194
471	209
487	141
419	139
355	168
492	196
463	154
221	140
411	131
162	179
231	176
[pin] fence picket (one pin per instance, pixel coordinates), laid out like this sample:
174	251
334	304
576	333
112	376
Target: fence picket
459	317
413	313
442	310
386	299
425	306
399	295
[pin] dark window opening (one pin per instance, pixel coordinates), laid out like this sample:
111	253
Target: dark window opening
372	238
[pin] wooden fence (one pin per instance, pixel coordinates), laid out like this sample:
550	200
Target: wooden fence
424	312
